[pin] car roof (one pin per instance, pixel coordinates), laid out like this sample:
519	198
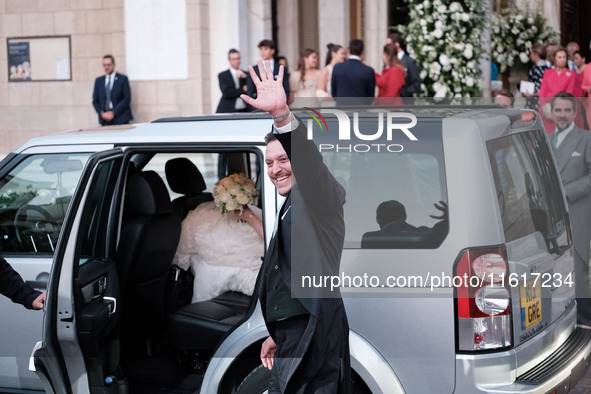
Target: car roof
232	128
251	128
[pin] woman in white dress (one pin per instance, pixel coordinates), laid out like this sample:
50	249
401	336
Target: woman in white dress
223	250
336	54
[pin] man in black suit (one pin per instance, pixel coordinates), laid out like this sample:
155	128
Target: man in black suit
352	78
307	350
111	97
391	217
232	84
396	233
572	150
412	80
267	52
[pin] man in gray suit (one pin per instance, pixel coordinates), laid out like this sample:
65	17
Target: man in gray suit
573	155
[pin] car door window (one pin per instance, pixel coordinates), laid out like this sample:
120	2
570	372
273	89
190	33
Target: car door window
410	184
93	233
34	198
528	189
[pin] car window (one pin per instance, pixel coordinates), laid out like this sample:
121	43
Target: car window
410	184
93	226
207	163
34	198
528	188
211	165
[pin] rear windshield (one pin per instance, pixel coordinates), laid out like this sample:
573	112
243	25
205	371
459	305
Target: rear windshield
528	189
396	189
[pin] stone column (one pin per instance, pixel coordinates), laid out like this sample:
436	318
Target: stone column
288	31
485	63
551	10
375	31
231	25
333	16
257	17
224	23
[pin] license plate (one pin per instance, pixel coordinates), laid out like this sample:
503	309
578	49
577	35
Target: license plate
531	304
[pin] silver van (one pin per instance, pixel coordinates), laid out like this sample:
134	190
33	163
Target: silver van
474	295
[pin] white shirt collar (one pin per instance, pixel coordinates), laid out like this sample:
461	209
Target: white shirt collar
110	77
562	135
400	54
354	57
271	62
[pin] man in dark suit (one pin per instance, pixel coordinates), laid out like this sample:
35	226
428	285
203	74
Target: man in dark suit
14	287
573	157
396	233
111	97
391	217
412	80
352	78
307	350
267	53
232	84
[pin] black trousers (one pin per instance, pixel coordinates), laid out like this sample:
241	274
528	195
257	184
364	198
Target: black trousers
315	379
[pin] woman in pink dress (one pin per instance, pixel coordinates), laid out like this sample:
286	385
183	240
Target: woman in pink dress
304	80
392	78
558	79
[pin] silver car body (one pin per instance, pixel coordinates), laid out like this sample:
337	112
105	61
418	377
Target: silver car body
402	339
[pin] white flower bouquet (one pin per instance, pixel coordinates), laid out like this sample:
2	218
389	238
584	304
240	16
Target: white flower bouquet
234	192
513	33
444	36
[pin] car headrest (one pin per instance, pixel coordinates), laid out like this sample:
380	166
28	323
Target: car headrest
183	176
147	193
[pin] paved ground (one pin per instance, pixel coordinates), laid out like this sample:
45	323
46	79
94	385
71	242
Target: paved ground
584	386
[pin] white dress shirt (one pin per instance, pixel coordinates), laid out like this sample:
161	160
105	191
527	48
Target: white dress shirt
562	135
239	104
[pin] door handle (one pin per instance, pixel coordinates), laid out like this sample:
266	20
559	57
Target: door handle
112	304
40	281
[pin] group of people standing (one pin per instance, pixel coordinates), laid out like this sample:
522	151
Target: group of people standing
559	69
345	75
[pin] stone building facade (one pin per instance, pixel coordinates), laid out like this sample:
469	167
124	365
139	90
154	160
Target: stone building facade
172	51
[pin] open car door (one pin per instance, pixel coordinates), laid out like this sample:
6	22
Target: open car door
78	352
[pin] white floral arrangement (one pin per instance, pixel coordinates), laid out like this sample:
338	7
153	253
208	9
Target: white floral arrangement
234	192
444	37
513	33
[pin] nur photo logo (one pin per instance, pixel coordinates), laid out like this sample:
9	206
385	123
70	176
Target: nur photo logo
389	124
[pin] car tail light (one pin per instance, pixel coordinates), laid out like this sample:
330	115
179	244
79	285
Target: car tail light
483	300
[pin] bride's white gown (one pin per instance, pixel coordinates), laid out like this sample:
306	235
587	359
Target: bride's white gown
224	254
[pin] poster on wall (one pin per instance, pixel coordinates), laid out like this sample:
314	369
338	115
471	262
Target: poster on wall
39	59
19	61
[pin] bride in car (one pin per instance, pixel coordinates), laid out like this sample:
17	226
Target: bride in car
222	240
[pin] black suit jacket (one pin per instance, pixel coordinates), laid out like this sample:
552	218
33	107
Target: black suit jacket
251	89
390	236
309	241
120	98
229	91
13	286
412	81
352	78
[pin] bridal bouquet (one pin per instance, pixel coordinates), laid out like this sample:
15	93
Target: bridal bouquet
234	192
